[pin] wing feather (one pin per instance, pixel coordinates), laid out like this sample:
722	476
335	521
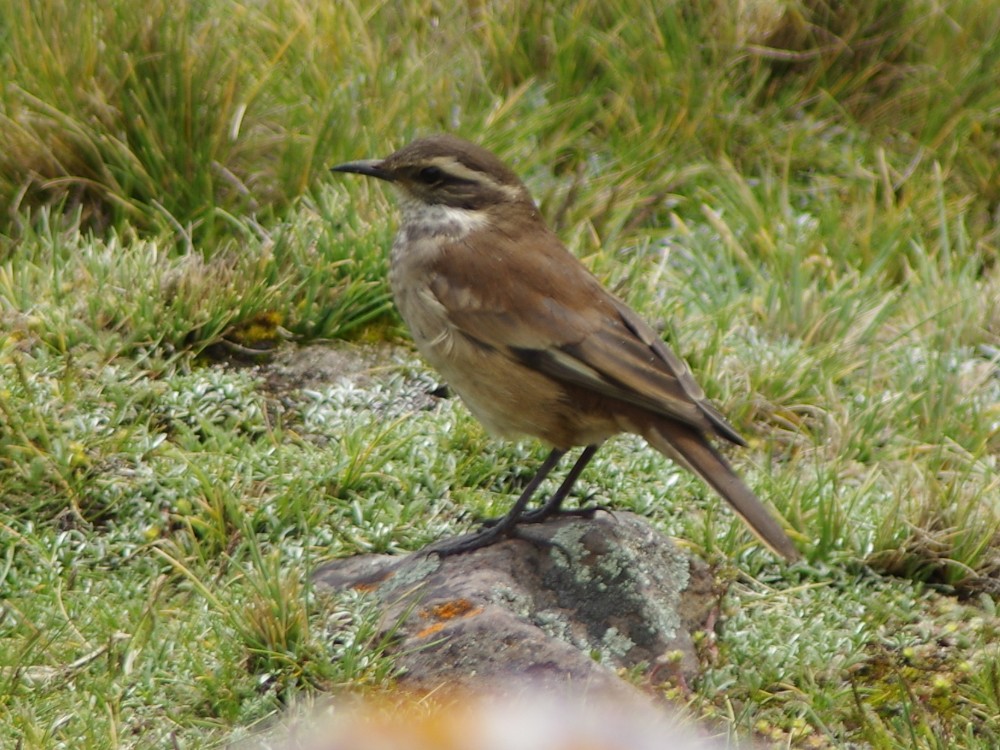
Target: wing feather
562	322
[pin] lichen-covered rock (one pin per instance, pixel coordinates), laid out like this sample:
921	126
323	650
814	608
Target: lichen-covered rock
590	598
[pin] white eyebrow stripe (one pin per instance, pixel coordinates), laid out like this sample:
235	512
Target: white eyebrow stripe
454	167
457	169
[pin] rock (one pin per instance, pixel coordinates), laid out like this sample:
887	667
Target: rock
295	367
591	598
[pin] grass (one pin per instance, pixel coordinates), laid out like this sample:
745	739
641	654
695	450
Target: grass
802	196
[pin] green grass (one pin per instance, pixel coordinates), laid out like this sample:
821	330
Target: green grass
802	195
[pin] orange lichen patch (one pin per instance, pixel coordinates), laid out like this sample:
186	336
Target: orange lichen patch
431	630
372	584
451	610
446	611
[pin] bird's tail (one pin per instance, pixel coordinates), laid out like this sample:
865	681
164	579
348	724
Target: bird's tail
691	450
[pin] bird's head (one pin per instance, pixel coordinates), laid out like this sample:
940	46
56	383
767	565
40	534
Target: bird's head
444	170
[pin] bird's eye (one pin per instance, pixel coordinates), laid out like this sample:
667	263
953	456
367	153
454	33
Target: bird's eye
430	175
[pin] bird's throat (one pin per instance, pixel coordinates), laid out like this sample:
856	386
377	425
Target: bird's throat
422	220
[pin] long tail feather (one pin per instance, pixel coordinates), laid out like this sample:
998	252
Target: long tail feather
693	451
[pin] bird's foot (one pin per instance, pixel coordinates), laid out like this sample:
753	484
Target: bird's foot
470	542
540	514
553	510
491	535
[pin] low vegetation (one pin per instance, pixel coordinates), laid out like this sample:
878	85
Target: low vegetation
804	197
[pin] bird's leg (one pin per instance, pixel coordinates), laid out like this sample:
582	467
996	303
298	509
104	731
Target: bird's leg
500	528
552	506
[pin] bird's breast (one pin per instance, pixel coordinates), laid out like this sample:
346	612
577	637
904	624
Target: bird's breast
508	397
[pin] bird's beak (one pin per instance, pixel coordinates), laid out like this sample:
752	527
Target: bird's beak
369	167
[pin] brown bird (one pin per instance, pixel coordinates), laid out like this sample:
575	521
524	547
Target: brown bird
529	338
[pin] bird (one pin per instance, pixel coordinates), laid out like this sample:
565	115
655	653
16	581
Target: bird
529	338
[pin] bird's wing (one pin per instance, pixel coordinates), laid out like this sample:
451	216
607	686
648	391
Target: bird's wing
553	315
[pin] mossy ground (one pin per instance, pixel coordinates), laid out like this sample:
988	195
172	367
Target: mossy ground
802	196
